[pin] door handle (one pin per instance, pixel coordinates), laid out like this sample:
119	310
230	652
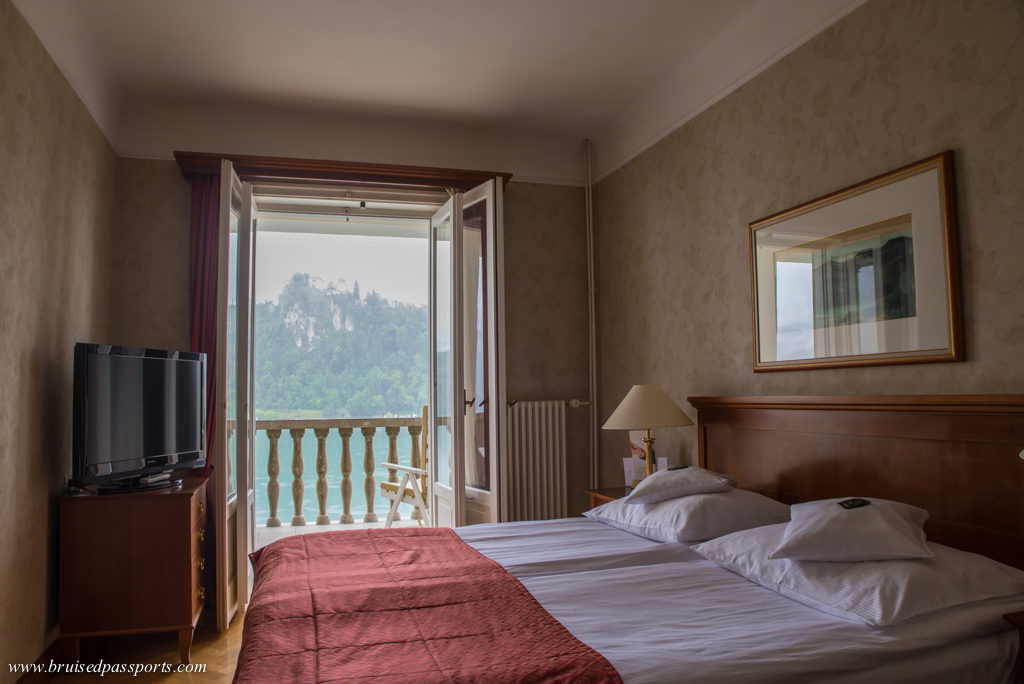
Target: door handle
467	403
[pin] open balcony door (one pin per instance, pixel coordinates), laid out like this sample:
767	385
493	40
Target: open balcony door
467	369
232	452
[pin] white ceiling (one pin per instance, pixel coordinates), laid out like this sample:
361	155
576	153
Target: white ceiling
514	85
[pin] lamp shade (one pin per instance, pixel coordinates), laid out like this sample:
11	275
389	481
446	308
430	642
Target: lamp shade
645	407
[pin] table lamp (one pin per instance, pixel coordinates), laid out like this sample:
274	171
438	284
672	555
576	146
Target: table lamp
643	408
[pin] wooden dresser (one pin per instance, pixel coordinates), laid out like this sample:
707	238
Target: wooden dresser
133	562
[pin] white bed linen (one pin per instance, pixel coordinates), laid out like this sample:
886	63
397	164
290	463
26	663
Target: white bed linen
667	615
551	547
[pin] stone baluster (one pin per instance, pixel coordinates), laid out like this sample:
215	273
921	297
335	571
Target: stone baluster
414	457
298	488
321	474
393	456
392	451
273	470
346	475
369	483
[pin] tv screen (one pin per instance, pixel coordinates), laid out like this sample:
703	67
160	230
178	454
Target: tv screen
136	412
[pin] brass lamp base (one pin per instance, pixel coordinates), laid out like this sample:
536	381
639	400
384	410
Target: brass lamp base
648	458
649	448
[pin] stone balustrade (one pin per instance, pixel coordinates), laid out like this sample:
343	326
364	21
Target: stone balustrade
322	428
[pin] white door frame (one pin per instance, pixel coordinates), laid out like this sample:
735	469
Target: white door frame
489	503
487	506
233	510
447	501
245	531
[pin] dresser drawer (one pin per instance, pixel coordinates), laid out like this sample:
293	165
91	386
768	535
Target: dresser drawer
198	509
198	599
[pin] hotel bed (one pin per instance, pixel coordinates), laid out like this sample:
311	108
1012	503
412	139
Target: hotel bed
662	613
659	611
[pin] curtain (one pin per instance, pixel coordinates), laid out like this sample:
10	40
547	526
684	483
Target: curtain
204	239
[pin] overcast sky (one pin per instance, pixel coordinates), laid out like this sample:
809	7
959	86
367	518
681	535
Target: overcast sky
396	267
794	299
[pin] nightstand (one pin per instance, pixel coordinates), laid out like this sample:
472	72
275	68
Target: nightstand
602	495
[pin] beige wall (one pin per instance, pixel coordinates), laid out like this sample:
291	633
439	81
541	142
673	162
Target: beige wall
149	301
546	309
894	82
57	173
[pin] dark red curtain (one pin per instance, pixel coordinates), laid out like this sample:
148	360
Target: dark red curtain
204	239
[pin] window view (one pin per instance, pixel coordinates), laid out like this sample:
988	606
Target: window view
827	287
340	331
794	295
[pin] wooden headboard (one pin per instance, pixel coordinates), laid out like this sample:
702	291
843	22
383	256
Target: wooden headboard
957	456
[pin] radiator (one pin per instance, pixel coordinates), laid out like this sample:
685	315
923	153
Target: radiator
537	460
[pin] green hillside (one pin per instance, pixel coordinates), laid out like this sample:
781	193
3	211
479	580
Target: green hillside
333	353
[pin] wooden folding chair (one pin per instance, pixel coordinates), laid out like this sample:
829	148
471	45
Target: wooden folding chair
413	487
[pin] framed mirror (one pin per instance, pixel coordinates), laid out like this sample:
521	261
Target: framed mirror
868	275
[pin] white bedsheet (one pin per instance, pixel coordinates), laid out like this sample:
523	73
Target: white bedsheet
661	613
551	547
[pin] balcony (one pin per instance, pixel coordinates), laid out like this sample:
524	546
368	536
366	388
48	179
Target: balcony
320	498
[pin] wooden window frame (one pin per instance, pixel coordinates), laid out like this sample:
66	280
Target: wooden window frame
259	168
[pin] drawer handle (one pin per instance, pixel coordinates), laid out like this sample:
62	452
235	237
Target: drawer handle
201	534
202	563
202	593
202	507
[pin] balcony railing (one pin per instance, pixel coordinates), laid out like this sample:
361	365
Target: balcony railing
345	427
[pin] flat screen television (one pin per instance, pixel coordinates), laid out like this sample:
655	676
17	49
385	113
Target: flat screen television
139	415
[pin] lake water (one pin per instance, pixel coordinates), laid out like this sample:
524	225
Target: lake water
310	507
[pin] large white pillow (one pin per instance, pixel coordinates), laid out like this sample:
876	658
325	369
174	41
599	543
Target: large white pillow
671	484
691	518
827	530
874	592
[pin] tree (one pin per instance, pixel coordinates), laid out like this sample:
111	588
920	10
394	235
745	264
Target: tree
335	352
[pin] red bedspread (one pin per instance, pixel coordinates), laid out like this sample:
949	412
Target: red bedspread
405	605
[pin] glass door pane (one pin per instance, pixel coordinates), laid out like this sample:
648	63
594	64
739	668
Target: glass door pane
482	381
474	297
232	450
242	362
231	355
225	380
446	400
444	392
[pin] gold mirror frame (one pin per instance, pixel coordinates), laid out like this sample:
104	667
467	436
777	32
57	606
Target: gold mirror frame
865	276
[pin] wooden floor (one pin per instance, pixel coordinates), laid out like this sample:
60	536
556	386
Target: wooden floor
218	652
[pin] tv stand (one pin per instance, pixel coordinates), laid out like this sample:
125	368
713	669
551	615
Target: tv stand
133	563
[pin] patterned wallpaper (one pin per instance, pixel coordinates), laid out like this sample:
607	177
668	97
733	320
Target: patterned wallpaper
892	83
149	305
57	173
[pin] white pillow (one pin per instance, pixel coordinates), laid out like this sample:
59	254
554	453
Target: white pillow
878	530
873	593
671	484
690	518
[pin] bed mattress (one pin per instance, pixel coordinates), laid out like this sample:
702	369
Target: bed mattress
661	613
